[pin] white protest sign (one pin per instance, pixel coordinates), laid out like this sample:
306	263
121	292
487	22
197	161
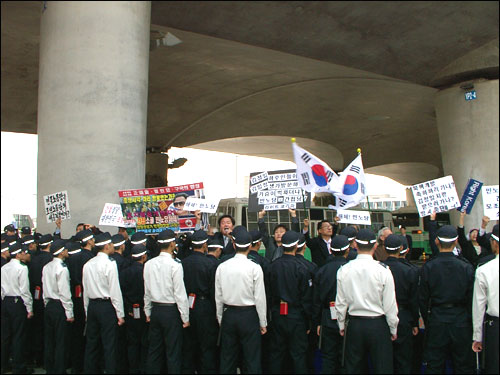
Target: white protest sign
438	195
112	215
354	217
57	206
490	201
204	205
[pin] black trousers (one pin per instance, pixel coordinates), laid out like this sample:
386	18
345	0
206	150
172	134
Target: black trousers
77	339
165	340
201	338
121	350
101	328
240	328
56	338
445	339
368	336
289	335
137	343
403	346
14	334
331	349
491	346
37	336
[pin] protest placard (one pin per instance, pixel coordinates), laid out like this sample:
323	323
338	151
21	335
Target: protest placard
155	209
354	217
490	201
438	195
112	215
470	194
204	205
276	190
57	206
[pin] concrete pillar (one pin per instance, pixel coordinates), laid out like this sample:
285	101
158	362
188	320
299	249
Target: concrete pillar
468	135
92	105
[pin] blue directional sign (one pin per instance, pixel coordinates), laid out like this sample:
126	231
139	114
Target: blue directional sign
470	95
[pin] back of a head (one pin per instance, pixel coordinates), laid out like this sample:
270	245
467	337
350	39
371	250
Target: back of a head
289	241
447	235
242	240
365	239
392	244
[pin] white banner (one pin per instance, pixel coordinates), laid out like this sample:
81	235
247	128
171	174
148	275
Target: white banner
57	206
438	195
112	215
204	205
354	217
490	201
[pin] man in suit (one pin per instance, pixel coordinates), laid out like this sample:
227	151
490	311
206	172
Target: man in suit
226	224
320	246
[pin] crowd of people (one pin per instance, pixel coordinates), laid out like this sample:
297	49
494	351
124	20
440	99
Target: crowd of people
210	303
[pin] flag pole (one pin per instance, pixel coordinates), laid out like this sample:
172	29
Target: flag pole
304	193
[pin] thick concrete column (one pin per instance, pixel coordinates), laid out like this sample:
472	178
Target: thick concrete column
468	135
92	104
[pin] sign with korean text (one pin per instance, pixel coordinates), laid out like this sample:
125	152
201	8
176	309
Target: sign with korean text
203	205
159	208
276	190
438	195
490	201
470	194
112	215
354	217
57	206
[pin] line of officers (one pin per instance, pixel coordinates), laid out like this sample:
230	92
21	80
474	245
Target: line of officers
210	304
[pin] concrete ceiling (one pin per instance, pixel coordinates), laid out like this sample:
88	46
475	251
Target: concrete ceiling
250	75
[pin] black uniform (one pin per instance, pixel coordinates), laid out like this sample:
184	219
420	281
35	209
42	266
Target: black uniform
319	248
446	285
325	291
291	310
132	286
406	286
35	274
201	335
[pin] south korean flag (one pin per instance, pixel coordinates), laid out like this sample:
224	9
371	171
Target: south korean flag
352	185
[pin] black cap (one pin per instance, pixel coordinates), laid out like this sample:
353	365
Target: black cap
84	235
102	239
237	229
5	246
392	242
447	233
11	239
138	238
15	248
302	240
213	243
366	237
165	236
199	237
404	242
57	247
256	236
339	243
139	250
45	240
72	245
241	237
26	230
9	228
290	238
494	233
26	240
349	232
117	240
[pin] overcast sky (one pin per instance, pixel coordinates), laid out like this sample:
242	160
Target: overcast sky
223	174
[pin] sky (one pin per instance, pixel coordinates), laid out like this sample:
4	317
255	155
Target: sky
19	171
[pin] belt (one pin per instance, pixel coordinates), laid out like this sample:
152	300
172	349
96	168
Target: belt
231	307
354	317
11	297
54	300
449	305
162	304
490	317
101	299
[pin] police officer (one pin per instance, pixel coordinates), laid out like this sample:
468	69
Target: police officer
365	291
166	306
30	243
291	306
5	253
406	285
446	285
35	271
132	285
486	300
103	306
58	309
241	307
273	243
17	306
350	232
202	333
119	247
214	251
325	317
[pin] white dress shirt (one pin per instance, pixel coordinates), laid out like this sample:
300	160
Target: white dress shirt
55	281
240	282
15	283
100	280
485	296
366	288
164	283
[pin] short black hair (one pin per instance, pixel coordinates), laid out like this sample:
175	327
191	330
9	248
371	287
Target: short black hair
225	216
365	247
181	195
320	224
280	226
77	225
